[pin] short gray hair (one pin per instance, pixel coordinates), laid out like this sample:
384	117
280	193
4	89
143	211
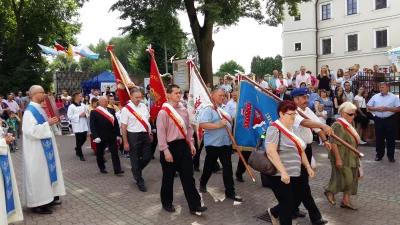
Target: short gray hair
346	106
134	90
384	83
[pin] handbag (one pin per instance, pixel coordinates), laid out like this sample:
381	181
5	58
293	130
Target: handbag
260	162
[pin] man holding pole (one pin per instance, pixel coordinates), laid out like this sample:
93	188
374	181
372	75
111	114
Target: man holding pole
218	144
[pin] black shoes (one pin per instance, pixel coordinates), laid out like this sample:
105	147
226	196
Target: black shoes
234	197
392	160
198	209
239	178
142	188
320	222
298	214
42	210
169	208
378	159
119	173
82	158
196	169
54	203
203	188
103	171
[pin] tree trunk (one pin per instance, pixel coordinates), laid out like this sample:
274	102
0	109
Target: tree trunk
205	49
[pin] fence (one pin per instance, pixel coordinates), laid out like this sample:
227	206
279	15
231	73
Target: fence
371	82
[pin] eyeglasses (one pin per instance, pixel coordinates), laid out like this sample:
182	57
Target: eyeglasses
350	114
291	114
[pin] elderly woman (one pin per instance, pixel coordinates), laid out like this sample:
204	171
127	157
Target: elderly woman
286	152
344	162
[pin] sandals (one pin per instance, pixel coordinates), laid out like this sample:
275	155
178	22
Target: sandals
347	206
330	197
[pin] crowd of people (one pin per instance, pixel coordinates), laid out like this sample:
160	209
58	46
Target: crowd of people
327	100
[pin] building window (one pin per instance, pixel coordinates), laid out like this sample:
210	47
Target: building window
297	46
381	38
326	11
380	4
351	7
327	46
297	18
352	42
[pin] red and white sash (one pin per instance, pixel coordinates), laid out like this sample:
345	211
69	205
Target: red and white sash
178	120
222	113
139	118
106	114
300	144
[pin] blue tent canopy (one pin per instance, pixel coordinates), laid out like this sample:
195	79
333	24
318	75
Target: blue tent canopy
95	82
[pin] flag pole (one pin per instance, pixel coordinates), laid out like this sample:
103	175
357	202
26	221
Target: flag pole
109	48
226	127
151	51
303	115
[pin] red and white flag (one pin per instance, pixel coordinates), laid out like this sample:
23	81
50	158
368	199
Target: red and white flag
198	99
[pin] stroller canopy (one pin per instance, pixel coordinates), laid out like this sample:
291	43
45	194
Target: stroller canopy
95	82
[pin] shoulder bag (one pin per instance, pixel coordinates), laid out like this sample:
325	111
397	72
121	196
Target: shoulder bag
260	162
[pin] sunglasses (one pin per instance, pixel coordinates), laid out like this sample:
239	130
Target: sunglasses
350	114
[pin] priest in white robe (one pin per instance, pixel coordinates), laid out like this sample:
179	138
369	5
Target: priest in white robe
42	178
10	207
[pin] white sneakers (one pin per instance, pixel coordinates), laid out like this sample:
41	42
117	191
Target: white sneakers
362	142
275	221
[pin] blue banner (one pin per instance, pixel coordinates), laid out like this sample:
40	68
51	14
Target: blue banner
8	185
255	112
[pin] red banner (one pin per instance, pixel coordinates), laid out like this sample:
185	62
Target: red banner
157	90
124	83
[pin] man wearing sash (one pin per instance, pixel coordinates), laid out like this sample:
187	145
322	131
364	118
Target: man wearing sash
105	130
10	205
175	142
77	114
218	144
42	180
137	135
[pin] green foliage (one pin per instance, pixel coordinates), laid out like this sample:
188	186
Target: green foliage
260	66
101	65
229	67
24	24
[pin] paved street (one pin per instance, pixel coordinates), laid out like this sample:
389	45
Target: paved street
95	198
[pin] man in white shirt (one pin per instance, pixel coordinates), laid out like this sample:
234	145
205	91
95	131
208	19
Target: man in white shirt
77	114
262	82
289	80
226	86
303	77
94	95
13	105
232	104
65	96
347	92
137	135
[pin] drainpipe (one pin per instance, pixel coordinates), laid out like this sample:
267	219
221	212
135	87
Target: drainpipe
316	37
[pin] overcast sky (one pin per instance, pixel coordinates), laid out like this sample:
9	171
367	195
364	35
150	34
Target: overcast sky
239	43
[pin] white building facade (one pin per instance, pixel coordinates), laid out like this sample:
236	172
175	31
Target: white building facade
341	33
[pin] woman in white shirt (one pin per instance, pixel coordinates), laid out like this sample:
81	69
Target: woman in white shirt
361	119
279	82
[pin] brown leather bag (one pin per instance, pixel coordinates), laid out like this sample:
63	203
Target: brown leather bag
260	162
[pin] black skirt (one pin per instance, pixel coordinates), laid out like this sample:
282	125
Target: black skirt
364	121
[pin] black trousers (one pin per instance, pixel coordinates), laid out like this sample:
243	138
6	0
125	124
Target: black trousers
224	153
385	129
140	153
182	163
241	169
80	139
196	158
287	195
112	146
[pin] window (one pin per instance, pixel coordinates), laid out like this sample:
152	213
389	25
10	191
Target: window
380	4
351	7
326	46
297	18
326	11
297	46
381	38
352	42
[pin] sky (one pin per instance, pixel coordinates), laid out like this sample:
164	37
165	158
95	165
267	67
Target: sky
239	43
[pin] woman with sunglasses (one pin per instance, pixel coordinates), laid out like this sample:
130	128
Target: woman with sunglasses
345	163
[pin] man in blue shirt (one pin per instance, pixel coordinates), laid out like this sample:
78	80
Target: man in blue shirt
218	144
272	81
384	105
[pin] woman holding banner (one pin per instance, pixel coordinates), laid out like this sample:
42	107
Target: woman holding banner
345	163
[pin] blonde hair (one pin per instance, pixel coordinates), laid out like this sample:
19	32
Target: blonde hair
346	106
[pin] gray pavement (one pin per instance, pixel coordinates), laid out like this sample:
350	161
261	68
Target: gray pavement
95	198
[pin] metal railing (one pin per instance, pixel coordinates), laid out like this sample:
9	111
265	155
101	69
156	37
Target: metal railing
371	82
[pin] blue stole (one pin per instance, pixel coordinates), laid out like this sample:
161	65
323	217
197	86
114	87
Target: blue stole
5	169
47	145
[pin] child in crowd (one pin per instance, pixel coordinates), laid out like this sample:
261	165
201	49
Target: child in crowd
13	122
322	115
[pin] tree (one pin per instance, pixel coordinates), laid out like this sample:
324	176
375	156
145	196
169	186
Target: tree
229	67
260	66
216	14
191	50
25	23
101	65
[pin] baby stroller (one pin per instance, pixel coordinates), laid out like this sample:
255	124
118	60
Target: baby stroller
65	124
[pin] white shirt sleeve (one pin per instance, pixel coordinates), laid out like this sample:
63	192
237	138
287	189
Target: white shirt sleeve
124	116
297	120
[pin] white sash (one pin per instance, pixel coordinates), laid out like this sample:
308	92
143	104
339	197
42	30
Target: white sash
106	112
221	111
352	130
177	116
302	144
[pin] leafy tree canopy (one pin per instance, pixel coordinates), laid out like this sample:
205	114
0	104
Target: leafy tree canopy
229	67
261	66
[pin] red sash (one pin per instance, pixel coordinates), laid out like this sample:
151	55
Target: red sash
290	137
138	117
348	130
105	115
172	116
223	116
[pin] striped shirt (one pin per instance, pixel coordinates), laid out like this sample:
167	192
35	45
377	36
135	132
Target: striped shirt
287	151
